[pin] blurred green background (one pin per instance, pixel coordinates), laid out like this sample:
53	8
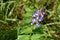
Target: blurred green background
16	15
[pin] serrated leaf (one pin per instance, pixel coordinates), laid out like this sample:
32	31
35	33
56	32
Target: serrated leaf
38	36
35	37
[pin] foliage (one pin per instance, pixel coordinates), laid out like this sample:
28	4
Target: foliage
16	16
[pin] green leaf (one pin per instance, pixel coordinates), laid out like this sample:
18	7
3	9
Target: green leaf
23	37
38	36
28	9
35	37
26	30
27	21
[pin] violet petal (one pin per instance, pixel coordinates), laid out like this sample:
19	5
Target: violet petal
33	21
37	17
43	13
40	19
37	12
38	24
33	15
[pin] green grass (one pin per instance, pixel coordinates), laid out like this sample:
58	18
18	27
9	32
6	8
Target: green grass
12	28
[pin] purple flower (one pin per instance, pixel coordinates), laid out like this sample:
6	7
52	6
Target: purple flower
33	15
40	19
36	16
37	12
43	13
33	21
38	24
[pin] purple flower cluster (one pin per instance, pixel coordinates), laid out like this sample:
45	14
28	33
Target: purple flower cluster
38	16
